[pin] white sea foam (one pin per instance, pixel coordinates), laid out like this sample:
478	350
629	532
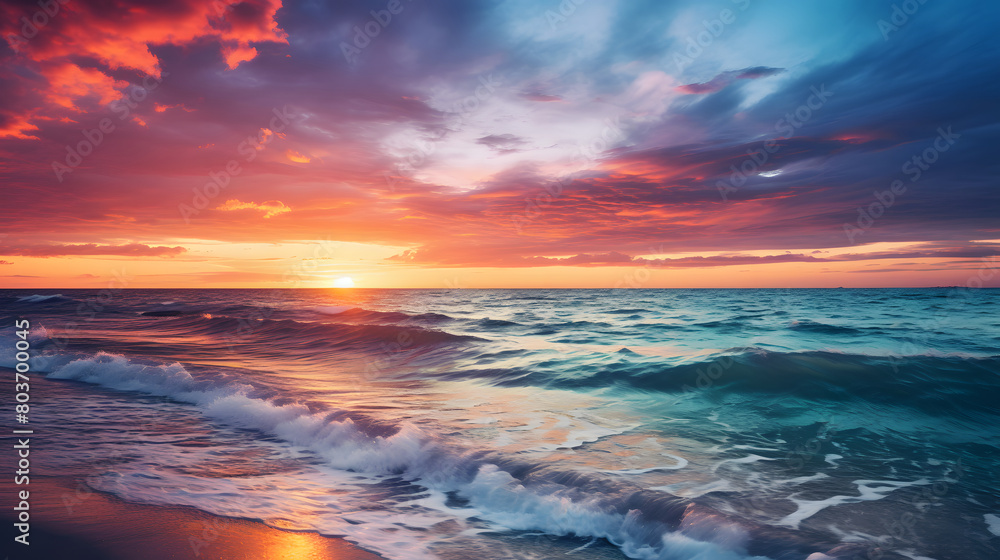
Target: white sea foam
752	458
8	346
680	464
868	490
584	431
697	491
800	479
492	494
993	523
37	298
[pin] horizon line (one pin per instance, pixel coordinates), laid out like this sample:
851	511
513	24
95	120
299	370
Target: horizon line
539	288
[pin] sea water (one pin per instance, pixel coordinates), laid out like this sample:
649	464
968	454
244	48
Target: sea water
521	424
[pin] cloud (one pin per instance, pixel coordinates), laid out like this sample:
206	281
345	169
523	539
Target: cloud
5	262
88	249
610	258
541	97
699	262
270	208
724	79
297	157
497	255
755	72
86	55
654	184
160	108
931	251
502	143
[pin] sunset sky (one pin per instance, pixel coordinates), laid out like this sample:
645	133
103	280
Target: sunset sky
581	143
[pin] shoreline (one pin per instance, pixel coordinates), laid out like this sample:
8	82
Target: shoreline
68	523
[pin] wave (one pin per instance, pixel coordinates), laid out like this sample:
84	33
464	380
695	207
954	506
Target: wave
722	326
331	309
42	298
360	315
806	325
245	311
495	323
627	311
935	384
38	336
737	323
314	335
255	312
37	298
502	489
580	325
165	313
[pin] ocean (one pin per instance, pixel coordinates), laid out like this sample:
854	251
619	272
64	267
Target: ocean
534	424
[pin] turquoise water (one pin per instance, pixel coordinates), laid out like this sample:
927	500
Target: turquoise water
673	424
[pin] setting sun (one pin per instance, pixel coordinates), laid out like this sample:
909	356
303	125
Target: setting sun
343	282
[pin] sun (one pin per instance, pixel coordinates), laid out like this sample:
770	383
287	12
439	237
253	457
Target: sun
343	282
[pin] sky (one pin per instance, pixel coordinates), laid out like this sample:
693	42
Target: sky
571	143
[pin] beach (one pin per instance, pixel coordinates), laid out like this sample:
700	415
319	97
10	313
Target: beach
70	521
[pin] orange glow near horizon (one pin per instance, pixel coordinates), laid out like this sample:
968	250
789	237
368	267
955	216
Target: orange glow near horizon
101	273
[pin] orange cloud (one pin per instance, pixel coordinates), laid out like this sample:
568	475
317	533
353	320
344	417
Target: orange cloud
68	82
236	54
160	108
128	250
18	126
297	157
119	35
270	208
263	138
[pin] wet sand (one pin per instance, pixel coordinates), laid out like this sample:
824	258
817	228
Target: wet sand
68	521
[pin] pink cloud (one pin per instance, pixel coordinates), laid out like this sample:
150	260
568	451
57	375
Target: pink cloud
129	250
